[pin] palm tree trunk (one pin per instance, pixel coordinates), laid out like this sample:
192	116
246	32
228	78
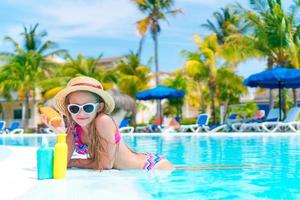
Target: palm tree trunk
283	105
141	44
271	98
295	97
225	110
212	96
156	58
25	111
202	101
158	106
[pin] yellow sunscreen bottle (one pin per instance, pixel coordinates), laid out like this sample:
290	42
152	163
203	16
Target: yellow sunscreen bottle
60	157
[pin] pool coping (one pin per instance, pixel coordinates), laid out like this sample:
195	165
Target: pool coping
206	134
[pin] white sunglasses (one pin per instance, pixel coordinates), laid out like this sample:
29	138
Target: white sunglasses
87	108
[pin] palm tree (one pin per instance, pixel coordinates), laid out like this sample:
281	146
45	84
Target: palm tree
178	82
196	72
155	10
26	66
202	65
82	66
228	22
276	34
231	29
208	49
133	76
79	66
229	90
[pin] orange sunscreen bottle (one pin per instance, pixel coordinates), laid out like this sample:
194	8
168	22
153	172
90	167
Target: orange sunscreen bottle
52	116
60	157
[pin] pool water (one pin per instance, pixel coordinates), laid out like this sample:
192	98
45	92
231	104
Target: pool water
258	167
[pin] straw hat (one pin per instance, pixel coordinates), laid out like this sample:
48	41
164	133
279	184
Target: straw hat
83	83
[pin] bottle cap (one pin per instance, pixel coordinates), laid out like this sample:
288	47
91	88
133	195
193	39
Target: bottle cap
61	138
44	141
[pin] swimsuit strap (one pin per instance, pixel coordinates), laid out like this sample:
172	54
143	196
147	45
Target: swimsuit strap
117	137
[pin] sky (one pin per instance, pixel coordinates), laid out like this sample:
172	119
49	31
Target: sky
108	27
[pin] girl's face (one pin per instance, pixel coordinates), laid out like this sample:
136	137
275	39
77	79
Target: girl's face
84	107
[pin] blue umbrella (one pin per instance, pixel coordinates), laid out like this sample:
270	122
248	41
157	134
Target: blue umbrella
160	92
278	77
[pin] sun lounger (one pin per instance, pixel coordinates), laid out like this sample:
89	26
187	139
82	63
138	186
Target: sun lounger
200	125
14	128
238	124
2	127
124	126
273	116
226	127
289	123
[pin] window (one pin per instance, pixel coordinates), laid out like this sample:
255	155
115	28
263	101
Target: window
18	113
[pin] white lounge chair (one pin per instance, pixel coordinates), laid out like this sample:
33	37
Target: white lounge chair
289	123
15	129
273	116
237	125
2	126
201	124
227	126
124	126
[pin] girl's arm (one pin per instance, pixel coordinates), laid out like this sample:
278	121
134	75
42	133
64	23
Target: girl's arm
107	129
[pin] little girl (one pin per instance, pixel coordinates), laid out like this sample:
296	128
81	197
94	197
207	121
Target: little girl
91	131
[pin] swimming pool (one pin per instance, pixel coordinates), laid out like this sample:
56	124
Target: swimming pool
227	167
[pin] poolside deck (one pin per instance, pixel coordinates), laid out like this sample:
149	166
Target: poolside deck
18	180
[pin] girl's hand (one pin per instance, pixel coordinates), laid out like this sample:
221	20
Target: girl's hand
72	163
81	163
61	128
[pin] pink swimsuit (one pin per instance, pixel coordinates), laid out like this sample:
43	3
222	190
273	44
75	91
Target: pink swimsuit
152	160
82	148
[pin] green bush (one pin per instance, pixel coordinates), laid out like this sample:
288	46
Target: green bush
30	131
246	111
188	121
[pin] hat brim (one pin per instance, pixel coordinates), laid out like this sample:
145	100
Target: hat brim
59	99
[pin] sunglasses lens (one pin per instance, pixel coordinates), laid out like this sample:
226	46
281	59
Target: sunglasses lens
89	108
74	109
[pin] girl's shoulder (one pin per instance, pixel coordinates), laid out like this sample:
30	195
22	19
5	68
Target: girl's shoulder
106	126
104	118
